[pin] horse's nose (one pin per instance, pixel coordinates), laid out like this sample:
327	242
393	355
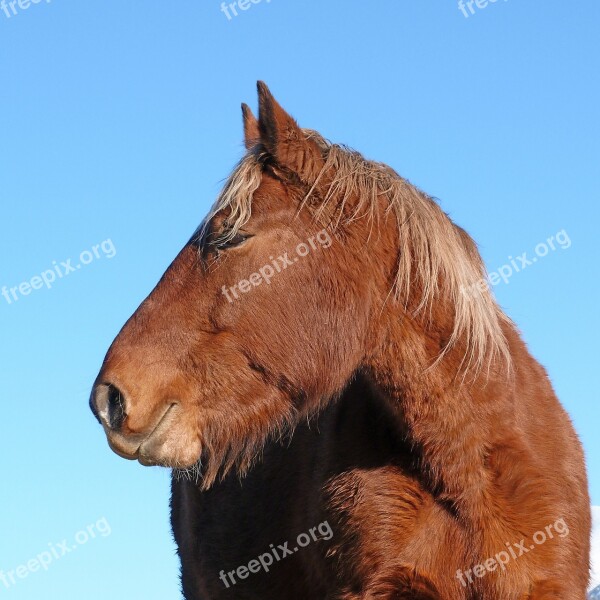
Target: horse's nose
108	405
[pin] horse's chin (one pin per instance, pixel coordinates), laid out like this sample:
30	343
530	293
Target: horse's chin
171	456
170	444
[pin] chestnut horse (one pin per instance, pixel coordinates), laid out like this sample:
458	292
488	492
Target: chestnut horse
345	417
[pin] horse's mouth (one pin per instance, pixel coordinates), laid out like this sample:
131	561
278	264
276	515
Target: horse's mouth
144	446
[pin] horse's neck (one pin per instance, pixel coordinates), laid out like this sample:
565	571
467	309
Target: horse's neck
409	357
433	400
359	430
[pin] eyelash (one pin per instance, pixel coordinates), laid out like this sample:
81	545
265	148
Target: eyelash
236	240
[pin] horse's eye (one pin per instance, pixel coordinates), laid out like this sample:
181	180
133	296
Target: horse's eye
236	240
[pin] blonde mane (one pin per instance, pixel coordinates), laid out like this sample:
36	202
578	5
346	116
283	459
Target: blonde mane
433	251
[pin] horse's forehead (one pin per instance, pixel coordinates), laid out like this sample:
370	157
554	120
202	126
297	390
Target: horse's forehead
271	189
272	196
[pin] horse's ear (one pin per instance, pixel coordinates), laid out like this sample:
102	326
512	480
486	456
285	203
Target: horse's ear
251	130
285	141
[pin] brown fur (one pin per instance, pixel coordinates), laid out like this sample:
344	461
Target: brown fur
465	447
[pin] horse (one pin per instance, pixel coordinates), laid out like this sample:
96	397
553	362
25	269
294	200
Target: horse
344	418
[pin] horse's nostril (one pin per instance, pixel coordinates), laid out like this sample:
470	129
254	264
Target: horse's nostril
115	407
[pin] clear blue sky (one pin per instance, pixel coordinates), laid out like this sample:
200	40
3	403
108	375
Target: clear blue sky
118	120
